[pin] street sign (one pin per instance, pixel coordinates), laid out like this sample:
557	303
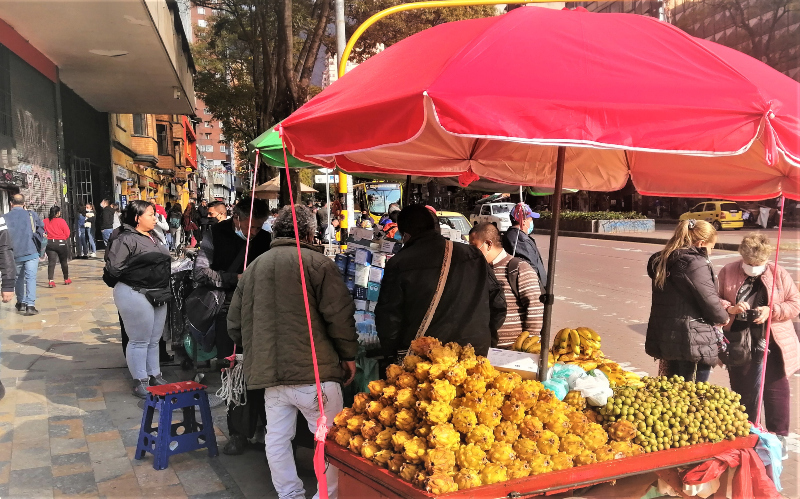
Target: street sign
320	179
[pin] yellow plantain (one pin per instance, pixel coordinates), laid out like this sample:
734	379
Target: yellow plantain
575	340
535	348
520	340
528	343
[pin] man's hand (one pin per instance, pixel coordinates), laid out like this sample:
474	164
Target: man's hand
349	367
763	315
7	296
739	308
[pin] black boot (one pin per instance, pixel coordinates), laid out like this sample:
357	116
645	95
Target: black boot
140	388
158	380
235	446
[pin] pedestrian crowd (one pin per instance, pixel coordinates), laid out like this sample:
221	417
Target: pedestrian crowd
250	298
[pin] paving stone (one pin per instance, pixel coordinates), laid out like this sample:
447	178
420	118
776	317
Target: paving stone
87	392
121	487
97	422
5	471
77	484
66	428
60	446
27	455
30	410
200	480
27	429
149	477
130	438
112	468
169	491
30	479
107	449
5	451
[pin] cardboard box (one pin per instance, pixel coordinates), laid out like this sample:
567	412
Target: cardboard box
373	290
360	293
522	363
371	306
362	275
387	246
361	304
363	257
375	274
342	261
379	260
350	282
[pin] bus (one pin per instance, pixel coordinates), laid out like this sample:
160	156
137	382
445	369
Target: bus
375	197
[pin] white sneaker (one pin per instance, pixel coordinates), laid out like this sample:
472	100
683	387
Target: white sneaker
93	255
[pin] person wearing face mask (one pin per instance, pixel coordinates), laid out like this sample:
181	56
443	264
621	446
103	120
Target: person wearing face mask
744	288
517	240
685	307
524	311
217	212
219	266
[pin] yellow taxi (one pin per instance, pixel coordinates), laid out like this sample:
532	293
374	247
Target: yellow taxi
455	220
720	214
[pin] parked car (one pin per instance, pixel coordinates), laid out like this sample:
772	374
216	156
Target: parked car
720	214
455	220
498	214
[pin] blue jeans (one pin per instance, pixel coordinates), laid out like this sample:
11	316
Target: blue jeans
144	325
86	242
26	281
106	235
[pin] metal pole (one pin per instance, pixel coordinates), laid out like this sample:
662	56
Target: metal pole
327	206
341	36
345	183
407	193
548	296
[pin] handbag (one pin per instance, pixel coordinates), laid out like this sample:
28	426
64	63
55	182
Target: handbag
157	297
39	240
437	295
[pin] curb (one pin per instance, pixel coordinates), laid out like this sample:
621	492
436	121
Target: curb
629	239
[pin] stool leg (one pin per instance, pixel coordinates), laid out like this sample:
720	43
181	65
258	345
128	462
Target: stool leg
145	430
208	426
161	460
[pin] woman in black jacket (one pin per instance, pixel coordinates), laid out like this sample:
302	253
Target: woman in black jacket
140	264
685	305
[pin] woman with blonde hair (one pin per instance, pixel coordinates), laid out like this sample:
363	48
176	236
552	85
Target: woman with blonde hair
744	287
685	305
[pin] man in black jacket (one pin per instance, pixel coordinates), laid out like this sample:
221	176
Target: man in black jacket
107	220
518	242
472	307
8	273
202	212
219	265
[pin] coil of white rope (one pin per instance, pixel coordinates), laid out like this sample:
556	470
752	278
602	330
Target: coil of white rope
233	390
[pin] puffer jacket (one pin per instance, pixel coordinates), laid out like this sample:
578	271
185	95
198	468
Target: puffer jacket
138	260
682	315
786	307
267	317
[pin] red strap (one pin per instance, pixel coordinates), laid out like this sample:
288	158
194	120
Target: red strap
322	423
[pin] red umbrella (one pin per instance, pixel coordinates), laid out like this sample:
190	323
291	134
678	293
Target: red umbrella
494	97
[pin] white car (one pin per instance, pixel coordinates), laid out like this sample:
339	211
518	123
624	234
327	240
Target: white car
498	214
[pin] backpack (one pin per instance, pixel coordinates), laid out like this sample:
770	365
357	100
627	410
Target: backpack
174	221
512	274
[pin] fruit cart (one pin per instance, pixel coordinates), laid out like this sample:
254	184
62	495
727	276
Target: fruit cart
362	478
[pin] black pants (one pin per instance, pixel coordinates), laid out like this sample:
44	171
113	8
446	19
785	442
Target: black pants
245	419
57	252
224	342
163	354
688	371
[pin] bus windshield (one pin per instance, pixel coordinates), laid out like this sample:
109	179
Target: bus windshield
381	197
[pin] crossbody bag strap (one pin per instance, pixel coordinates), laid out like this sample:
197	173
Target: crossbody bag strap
426	320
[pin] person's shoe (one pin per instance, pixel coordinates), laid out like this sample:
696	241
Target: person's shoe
158	380
31	310
51	284
20	307
784	448
2	390
93	255
67	282
140	388
235	446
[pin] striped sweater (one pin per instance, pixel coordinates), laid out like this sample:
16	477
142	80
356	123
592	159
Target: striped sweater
525	313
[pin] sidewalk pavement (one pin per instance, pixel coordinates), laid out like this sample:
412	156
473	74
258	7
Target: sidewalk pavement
727	239
68	422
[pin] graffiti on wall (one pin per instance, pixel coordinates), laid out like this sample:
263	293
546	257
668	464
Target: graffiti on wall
42	190
36	158
615	226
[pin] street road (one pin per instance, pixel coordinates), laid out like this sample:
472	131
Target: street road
604	285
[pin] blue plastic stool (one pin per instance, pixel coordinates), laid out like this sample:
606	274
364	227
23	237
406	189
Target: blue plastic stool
184	395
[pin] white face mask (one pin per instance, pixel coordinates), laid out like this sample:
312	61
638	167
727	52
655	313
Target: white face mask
753	271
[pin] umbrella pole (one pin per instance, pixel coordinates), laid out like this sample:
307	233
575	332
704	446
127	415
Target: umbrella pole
327	207
407	192
548	298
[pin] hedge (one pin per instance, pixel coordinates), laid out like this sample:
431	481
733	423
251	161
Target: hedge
594	215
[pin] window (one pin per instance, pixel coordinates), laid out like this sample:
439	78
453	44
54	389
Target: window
161	138
178	152
710	207
201	11
5	93
221	137
208	124
208	136
118	120
223	149
206	110
486	210
202	23
140	124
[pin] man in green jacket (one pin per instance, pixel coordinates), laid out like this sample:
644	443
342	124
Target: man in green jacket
268	317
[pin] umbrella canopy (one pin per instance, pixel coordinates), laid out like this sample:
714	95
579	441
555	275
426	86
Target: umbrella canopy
628	95
271	189
271	149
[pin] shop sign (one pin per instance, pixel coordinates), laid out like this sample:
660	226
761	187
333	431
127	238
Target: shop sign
121	173
13	178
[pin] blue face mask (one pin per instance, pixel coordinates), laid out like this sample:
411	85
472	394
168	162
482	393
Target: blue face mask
240	234
530	228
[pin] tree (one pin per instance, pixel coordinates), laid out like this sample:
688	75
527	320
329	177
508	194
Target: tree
767	30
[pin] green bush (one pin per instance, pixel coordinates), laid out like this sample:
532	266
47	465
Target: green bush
594	215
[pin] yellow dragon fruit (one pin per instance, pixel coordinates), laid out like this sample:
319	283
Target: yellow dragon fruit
501	452
584	458
531	427
456	374
513	411
468	358
443	355
494	398
545	411
411	361
464	419
559	424
422	346
547	396
376	387
475	384
474	401
393	372
526	448
421	370
579	422
423	430
444	436
606	453
370	429
355	443
440	461
355	423
440	484
360	402
374	408
396	463
471	456
443	391
389	394
481	436
484	368
548	443
387	416
369	448
595	438
384	438
424	391
518	469
422	408
636	450
541	463
438	413
526	393
624	447
494	473
343	436
341	418
622	431
457	402
576	400
506	382
419	479
562	461
382	457
572	444
490	417
407	380
455	347
467	479
437	371
506	431
406	419
405	399
399	440
408	471
414	449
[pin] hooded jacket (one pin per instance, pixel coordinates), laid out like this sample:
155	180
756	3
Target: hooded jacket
682	315
138	260
521	245
267	317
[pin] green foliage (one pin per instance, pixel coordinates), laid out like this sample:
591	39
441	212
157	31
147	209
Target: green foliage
594	215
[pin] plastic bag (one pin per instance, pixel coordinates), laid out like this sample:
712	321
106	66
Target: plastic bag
567	372
594	387
558	386
770	452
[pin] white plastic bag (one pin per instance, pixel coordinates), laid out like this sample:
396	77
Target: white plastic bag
594	387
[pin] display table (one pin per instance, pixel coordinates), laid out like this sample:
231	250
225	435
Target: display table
361	478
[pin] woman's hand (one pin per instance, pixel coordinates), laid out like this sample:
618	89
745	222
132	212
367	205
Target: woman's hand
739	308
763	315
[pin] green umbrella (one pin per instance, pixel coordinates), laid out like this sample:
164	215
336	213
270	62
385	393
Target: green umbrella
271	148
